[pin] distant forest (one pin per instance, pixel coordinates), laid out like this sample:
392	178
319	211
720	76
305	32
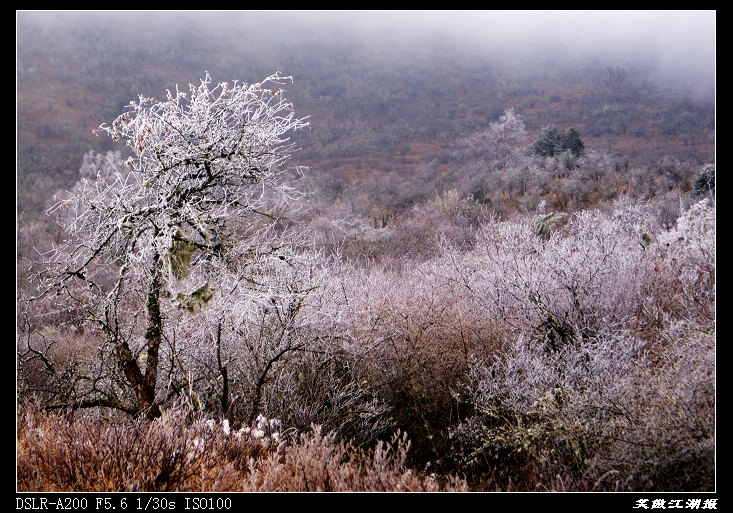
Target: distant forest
381	101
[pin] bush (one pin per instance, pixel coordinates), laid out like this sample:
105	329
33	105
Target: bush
606	416
609	383
410	337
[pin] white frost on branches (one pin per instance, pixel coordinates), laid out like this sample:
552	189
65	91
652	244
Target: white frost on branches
205	164
197	211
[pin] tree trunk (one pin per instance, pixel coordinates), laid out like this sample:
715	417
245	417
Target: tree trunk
134	375
224	374
144	384
153	336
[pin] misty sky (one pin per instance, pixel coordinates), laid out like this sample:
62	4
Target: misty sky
668	33
665	32
670	43
683	39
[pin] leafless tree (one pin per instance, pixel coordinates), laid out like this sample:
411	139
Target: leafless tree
206	185
501	142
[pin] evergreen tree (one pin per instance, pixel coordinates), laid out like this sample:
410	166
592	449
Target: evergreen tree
547	143
550	142
705	182
571	141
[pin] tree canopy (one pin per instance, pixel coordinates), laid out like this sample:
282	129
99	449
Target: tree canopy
205	181
550	141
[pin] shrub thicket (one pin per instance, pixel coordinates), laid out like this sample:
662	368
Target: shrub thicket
574	355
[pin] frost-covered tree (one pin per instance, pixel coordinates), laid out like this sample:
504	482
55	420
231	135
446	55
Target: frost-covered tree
607	377
502	141
507	135
197	199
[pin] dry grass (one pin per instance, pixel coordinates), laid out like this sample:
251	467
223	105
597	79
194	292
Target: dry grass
89	453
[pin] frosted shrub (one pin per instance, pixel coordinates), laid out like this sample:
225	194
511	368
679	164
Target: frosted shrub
686	256
587	391
408	338
329	389
531	411
557	286
588	412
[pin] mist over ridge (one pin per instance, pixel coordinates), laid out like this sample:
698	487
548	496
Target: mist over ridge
676	45
374	82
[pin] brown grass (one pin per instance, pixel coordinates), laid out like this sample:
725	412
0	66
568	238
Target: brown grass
90	453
